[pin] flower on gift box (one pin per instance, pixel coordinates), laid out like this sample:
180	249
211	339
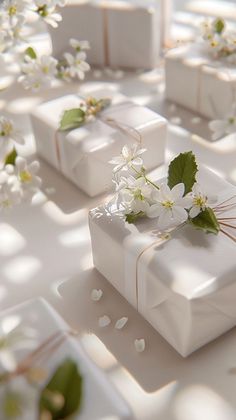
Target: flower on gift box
136	195
129	158
200	201
179	200
220	41
8	137
224	126
170	206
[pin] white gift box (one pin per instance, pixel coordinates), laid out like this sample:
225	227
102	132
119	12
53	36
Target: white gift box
184	286
83	154
39	315
113	31
198	82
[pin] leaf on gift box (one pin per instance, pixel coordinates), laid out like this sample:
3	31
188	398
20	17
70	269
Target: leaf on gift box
219	25
207	221
62	396
183	169
11	158
31	53
72	118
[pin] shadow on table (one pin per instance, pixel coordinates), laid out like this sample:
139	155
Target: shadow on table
159	365
39	246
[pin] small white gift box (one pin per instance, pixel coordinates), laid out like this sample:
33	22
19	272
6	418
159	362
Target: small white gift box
38	315
184	286
113	31
199	82
83	154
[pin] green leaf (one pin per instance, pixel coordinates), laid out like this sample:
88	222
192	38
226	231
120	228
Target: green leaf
62	396
11	158
207	221
219	25
133	217
183	169
72	118
31	53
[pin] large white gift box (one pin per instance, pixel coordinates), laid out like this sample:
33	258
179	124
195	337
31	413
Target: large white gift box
199	82
38	315
113	30
184	286
83	154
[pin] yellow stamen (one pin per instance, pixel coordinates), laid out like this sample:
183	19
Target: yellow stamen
25	176
168	204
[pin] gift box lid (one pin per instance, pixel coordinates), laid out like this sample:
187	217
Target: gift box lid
196	55
39	315
192	263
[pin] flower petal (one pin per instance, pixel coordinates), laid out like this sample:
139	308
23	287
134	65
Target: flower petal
165	219
104	321
120	323
139	345
96	294
179	214
194	212
154	210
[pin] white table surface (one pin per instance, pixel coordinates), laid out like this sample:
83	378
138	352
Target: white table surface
45	251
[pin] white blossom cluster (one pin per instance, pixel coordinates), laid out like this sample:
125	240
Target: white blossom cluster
14	14
138	196
19	181
220	42
38	72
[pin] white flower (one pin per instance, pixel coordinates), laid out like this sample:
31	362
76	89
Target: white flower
8	137
77	65
129	157
225	126
206	30
13	336
200	201
170	206
29	181
40	72
18	399
79	45
9	196
14	7
47	11
136	196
